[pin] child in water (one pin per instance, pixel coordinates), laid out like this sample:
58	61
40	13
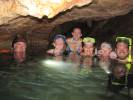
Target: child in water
60	46
75	43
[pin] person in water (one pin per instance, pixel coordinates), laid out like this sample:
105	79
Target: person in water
19	48
105	51
118	77
123	49
75	43
60	46
87	54
104	56
88	47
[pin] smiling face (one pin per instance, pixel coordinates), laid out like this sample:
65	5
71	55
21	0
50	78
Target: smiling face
59	44
77	33
20	47
88	49
122	50
106	51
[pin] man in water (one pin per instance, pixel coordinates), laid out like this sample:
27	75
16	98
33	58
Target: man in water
75	43
19	48
104	56
122	50
105	51
60	46
118	77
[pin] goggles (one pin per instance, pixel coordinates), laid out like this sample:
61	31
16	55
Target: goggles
124	39
89	40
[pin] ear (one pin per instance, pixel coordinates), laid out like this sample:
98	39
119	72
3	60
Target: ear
54	44
72	33
81	34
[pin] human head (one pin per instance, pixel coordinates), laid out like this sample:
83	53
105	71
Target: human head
59	42
105	49
122	49
88	46
118	69
76	33
19	44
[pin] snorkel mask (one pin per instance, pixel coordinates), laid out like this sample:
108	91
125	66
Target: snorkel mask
89	40
129	41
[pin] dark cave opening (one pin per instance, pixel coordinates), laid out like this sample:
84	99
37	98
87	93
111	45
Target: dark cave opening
102	30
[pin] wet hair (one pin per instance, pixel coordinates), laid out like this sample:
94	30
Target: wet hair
122	41
60	37
76	28
18	38
66	50
115	64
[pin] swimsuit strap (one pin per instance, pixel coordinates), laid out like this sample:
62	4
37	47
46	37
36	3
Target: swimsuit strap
78	46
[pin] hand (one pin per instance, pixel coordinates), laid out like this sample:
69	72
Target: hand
113	55
99	53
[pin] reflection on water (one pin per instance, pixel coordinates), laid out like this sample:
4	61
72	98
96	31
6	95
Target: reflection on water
61	78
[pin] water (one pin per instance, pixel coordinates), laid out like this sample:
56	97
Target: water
44	79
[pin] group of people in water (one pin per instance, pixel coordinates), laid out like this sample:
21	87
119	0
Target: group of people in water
116	62
85	52
86	47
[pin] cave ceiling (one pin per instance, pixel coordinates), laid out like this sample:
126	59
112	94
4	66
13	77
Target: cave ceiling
41	16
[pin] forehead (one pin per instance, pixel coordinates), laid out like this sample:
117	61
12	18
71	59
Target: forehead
23	43
88	44
59	40
77	30
105	48
122	44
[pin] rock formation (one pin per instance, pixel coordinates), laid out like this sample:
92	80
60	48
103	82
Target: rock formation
37	18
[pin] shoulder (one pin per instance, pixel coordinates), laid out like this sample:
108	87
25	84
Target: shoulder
69	39
81	40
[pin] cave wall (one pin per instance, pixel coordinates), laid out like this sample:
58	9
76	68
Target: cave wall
104	30
38	37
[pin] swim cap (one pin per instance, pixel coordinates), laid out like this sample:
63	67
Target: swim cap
124	39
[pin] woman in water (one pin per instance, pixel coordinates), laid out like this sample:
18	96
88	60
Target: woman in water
75	43
60	46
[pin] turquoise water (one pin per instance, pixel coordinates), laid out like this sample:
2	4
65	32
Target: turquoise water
39	78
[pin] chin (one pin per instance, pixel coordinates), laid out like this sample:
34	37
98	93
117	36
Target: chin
123	58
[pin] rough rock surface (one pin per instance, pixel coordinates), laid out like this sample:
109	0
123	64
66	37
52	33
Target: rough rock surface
11	9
